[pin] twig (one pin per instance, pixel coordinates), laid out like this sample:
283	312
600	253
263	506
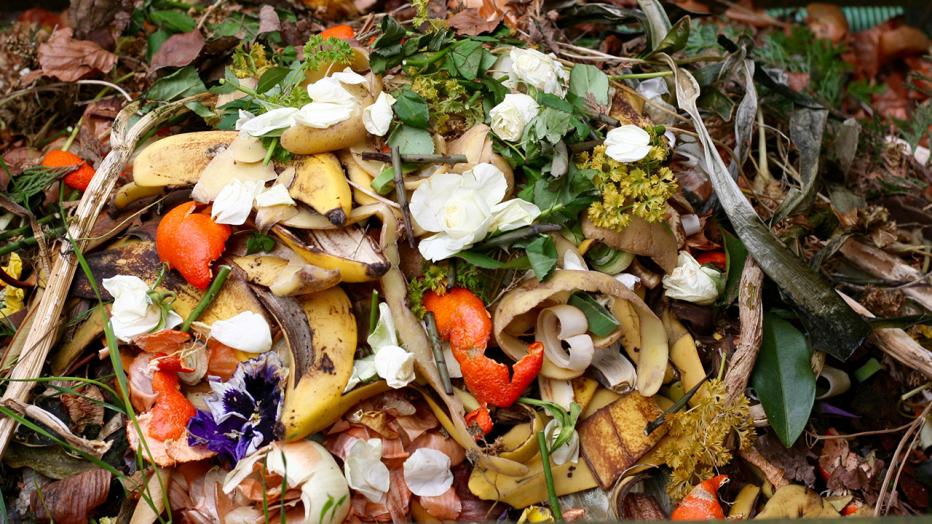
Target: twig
579	147
750	312
657	422
437	347
111	85
207	12
506	239
416	159
548	477
402	195
914	426
208	297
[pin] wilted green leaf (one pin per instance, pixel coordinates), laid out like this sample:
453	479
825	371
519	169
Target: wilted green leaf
182	83
588	81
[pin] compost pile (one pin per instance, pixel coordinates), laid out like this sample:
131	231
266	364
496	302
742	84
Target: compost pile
470	260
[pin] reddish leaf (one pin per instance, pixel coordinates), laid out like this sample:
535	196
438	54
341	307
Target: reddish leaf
71	500
178	51
471	22
268	20
68	59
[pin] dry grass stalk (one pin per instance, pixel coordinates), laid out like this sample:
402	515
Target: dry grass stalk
751	314
883	265
41	336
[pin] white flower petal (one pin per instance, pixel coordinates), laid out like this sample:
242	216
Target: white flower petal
329	89
572	260
628	280
487	179
628	143
568	451
378	117
652	88
384	332
430	197
132	313
427	473
511	116
276	195
442	246
538	70
513	214
349	77
365	472
234	202
247	331
692	282
363	371
395	365
244	116
267	122
321	115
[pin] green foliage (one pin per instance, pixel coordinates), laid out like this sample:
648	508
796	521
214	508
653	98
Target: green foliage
452	109
542	254
33	181
801	52
182	83
259	242
562	199
917	126
411	108
434	279
319	52
566	419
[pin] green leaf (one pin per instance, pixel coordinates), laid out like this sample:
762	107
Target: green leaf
483	261
466	56
675	39
182	83
412	141
411	109
783	378
173	21
271	78
542	254
602	322
587	81
550	125
736	254
154	41
658	23
258	242
385	182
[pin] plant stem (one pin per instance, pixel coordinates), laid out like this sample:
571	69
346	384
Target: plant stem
506	239
29	241
657	422
73	135
26	229
548	477
222	273
402	195
416	159
579	147
437	347
373	310
639	76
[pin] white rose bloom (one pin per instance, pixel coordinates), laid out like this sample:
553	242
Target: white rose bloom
277	195
364	470
628	143
247	332
266	122
395	365
463	209
568	451
692	282
427	473
349	77
378	117
510	117
537	70
132	313
234	202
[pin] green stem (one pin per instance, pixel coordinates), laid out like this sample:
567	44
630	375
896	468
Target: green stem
548	477
26	229
73	135
208	297
29	241
436	347
373	310
640	76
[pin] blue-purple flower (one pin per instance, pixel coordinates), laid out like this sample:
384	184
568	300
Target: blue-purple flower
244	410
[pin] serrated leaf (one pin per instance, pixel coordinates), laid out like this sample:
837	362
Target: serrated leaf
467	57
783	378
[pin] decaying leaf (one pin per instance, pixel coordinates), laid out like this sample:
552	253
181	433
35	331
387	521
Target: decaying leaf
471	22
85	407
639	237
178	51
68	59
795	501
71	500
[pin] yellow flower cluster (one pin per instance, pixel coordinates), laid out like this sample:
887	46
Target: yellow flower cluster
639	189
698	439
447	100
12	296
251	63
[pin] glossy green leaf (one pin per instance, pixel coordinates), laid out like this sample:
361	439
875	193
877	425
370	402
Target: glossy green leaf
466	57
783	378
736	254
182	83
411	109
175	21
271	78
542	254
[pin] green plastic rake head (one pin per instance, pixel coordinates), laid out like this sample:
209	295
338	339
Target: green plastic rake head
861	14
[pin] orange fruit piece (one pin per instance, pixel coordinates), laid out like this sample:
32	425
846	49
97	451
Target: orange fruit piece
78	179
172	409
461	318
189	241
341	31
702	502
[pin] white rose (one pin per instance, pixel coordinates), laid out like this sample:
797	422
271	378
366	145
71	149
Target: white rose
378	117
538	70
692	282
463	209
330	104
247	331
510	117
628	143
395	365
132	313
568	451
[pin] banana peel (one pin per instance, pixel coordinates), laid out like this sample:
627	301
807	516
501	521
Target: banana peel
359	176
132	192
286	278
311	402
523	490
349	251
684	356
520	442
320	183
178	160
139	258
336	409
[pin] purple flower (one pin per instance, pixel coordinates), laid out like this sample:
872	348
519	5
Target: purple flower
244	410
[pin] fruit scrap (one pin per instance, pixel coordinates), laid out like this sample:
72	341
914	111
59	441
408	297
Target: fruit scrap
172	409
189	241
481	419
463	320
341	31
702	501
78	179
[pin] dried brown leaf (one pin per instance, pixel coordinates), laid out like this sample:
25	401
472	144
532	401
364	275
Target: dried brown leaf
68	59
84	408
472	22
71	500
268	20
178	51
